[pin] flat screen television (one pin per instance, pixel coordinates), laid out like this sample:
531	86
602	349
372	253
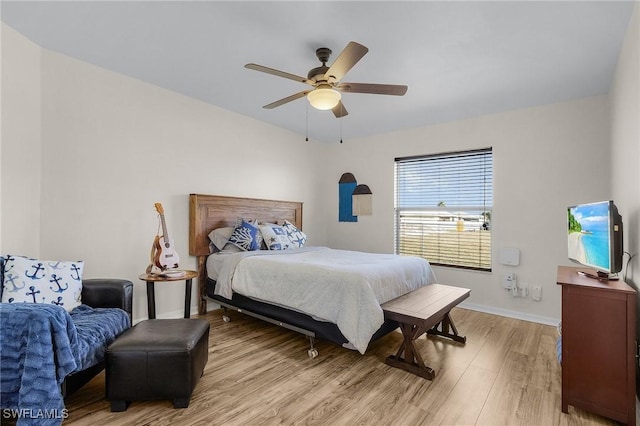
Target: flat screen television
595	237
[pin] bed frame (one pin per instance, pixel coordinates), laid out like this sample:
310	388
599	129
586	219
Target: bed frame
208	212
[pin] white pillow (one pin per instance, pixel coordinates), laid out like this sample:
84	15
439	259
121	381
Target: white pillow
28	280
275	237
230	248
220	236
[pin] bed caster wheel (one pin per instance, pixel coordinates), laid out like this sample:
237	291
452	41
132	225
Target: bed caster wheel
226	318
312	353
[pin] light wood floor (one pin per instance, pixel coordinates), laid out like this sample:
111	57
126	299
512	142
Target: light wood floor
506	374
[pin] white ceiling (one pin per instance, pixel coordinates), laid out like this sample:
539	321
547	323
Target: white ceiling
459	59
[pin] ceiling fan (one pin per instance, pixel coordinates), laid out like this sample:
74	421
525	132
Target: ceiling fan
327	88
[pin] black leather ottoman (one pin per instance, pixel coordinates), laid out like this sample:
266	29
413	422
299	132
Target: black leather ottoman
157	359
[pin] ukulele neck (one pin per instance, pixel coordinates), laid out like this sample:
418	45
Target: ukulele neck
165	234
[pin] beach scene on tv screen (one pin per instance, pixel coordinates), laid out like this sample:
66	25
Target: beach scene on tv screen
589	235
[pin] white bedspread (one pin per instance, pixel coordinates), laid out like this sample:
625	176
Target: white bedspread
343	287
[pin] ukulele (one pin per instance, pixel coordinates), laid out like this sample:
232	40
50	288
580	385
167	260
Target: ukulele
164	255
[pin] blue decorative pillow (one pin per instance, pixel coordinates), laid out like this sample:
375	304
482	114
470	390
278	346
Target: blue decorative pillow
296	236
27	280
259	239
245	236
275	237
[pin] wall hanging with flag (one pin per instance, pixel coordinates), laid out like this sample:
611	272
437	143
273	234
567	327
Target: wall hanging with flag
346	185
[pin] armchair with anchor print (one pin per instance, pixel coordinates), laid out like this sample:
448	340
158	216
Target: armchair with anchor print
55	329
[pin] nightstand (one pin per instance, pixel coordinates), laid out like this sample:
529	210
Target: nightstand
151	279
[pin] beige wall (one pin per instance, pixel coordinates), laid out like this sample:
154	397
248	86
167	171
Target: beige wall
625	146
625	143
545	159
20	144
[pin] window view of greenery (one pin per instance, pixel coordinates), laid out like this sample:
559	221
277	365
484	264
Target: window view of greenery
443	208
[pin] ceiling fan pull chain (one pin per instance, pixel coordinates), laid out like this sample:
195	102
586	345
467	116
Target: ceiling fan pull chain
306	124
342	115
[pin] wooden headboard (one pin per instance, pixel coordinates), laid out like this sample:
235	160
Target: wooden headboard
208	212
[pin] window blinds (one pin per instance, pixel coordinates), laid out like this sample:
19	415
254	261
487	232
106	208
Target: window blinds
443	206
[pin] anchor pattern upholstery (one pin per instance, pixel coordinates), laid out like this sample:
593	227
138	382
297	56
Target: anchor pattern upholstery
28	280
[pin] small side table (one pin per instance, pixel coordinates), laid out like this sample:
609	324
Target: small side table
151	294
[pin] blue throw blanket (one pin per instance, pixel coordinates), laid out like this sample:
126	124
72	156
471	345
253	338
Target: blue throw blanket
40	345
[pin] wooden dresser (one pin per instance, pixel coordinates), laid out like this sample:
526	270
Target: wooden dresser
598	345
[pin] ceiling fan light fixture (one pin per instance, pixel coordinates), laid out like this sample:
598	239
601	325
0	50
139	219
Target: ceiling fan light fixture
324	97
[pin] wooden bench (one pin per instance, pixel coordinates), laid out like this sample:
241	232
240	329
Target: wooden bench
425	310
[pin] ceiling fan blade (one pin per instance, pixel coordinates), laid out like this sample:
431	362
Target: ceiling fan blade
339	110
345	61
287	99
376	89
278	73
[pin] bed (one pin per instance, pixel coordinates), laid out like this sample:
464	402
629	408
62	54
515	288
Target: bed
209	212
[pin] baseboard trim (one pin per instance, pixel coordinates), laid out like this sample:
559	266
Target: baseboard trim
168	315
466	305
510	314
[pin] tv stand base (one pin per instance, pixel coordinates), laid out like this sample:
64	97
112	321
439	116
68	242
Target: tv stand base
598	275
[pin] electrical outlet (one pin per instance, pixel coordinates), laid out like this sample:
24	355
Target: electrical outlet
509	281
524	290
536	293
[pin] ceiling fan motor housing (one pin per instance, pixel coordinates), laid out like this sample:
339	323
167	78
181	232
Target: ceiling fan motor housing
317	74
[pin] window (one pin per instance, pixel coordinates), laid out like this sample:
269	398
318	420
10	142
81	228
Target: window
443	208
